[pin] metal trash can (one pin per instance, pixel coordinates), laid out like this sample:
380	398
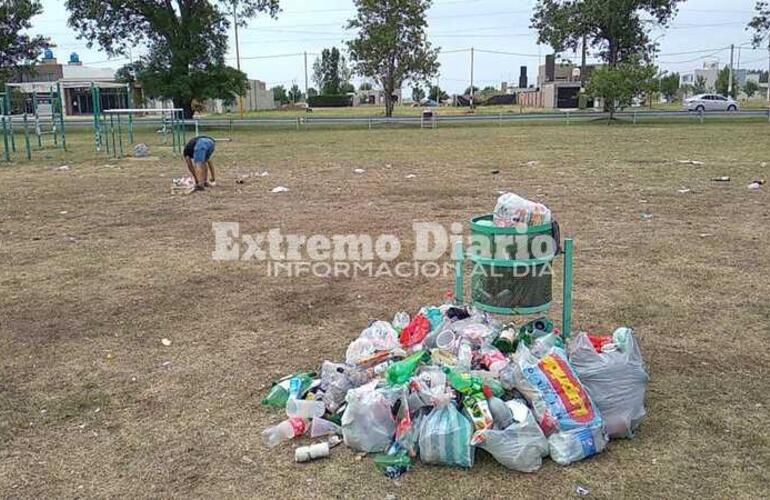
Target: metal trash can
512	267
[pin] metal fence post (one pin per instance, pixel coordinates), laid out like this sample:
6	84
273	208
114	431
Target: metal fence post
566	313
567	117
459	262
26	137
634	117
700	114
6	151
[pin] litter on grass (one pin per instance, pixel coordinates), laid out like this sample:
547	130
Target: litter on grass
279	189
435	386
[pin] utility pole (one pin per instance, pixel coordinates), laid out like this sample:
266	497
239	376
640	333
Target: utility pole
583	64
237	50
768	70
306	94
471	77
730	80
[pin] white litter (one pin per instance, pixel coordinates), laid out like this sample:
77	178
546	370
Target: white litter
63	212
63	168
165	342
279	189
533	163
410	176
754	186
264	174
359	170
683	191
690	162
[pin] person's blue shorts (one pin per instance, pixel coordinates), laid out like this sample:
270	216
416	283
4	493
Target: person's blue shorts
204	148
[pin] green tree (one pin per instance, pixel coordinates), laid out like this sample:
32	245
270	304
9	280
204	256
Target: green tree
722	84
619	85
418	93
186	42
468	90
669	86
280	94
391	45
331	72
686	90
760	23
750	88
618	30
311	92
699	85
365	86
18	50
295	94
437	94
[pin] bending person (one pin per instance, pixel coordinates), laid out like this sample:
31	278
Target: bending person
197	155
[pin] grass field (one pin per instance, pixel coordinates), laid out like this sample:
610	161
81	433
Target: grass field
101	262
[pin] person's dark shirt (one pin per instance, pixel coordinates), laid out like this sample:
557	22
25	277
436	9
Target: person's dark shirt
189	149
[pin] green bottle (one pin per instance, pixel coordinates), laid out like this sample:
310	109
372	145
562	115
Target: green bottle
464	383
279	392
400	372
495	386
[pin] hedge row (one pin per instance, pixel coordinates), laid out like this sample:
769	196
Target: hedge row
330	101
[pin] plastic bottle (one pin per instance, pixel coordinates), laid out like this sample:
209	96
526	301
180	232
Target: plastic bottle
322	427
279	392
304	408
464	383
401	371
464	355
506	341
288	429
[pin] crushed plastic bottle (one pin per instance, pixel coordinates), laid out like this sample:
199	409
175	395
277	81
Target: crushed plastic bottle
286	430
305	408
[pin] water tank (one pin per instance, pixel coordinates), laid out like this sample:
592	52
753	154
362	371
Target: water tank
48	54
74	58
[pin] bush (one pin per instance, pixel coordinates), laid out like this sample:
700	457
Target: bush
330	101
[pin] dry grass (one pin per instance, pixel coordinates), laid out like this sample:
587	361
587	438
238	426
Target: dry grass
93	405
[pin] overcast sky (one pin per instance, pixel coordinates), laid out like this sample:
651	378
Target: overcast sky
703	30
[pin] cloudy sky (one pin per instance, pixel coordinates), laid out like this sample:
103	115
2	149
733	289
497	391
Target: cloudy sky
703	30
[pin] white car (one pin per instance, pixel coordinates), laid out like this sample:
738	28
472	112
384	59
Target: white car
710	102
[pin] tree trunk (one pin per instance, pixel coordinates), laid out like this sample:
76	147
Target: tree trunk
388	104
186	105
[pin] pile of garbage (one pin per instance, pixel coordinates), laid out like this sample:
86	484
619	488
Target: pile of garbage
452	379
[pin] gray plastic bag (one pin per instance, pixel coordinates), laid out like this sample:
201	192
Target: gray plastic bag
522	445
616	380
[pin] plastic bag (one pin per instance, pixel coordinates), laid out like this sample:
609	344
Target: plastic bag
559	401
368	424
570	446
415	331
445	436
382	335
522	445
615	379
514	211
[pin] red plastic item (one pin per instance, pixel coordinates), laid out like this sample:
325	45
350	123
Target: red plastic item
599	341
415	332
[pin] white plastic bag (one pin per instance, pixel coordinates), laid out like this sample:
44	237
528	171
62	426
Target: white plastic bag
522	445
514	211
445	436
382	335
368	424
616	379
